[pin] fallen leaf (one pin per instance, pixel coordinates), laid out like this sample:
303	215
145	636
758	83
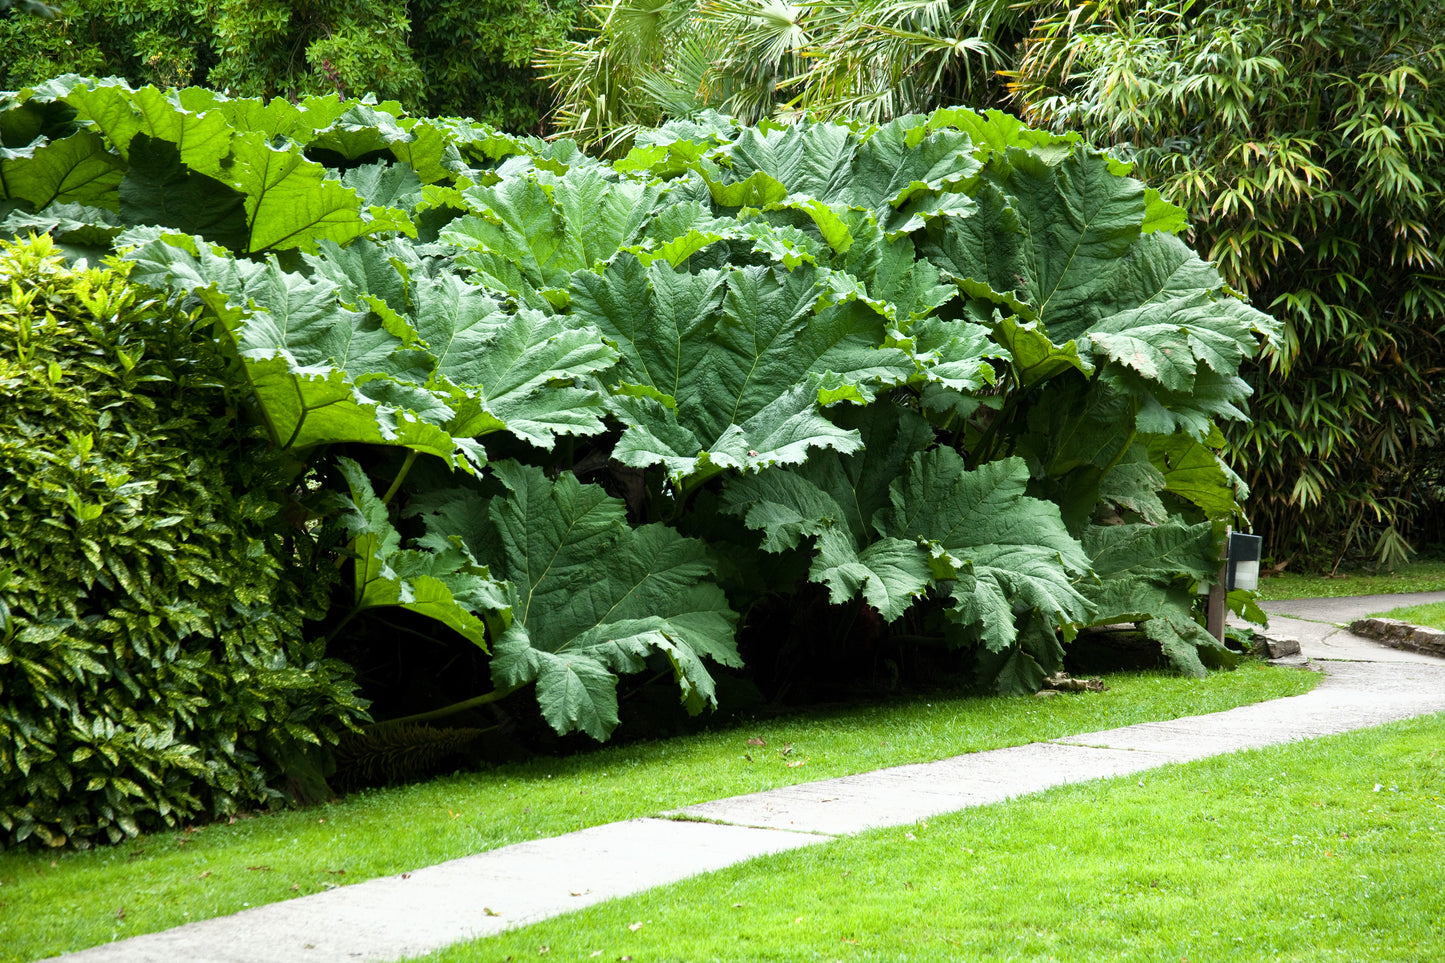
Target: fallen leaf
796	763
406	875
910	837
120	913
259	869
204	875
786	750
757	742
295	887
543	950
634	927
737	906
489	911
337	872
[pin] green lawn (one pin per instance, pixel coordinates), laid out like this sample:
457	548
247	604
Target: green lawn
1326	850
1416	577
52	902
1431	615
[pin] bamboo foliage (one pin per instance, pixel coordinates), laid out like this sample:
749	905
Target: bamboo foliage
1307	141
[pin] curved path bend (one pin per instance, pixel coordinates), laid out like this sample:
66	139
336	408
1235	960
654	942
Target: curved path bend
1366	684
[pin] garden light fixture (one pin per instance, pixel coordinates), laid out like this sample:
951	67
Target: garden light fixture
1242	560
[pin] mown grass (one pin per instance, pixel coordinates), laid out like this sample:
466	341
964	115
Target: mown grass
55	902
1416	577
1431	615
1323	850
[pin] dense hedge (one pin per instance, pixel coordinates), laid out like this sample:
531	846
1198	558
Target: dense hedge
152	664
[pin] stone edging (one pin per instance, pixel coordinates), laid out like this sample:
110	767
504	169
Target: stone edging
1401	635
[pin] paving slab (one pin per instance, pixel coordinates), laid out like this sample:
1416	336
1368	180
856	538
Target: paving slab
906	794
436	906
1366	684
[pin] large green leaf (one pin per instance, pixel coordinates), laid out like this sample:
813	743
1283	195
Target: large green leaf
1077	219
292	202
722	369
994	131
76	169
593	597
1146	574
529	233
908	287
372	348
1194	471
530	372
893	520
1058	246
1075	441
1034	356
836	497
289	201
121	113
889	573
322	372
441	580
277	117
918	173
1004	552
159	189
783	432
901	173
499	369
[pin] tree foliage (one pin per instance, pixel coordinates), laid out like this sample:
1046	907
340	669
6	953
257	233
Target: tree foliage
440	57
645	61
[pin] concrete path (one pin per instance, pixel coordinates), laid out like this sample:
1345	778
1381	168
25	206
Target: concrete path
1366	684
1319	625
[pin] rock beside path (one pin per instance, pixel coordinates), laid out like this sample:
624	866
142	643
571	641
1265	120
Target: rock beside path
1402	635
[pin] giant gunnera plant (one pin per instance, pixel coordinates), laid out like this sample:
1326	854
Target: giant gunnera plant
153	668
561	420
